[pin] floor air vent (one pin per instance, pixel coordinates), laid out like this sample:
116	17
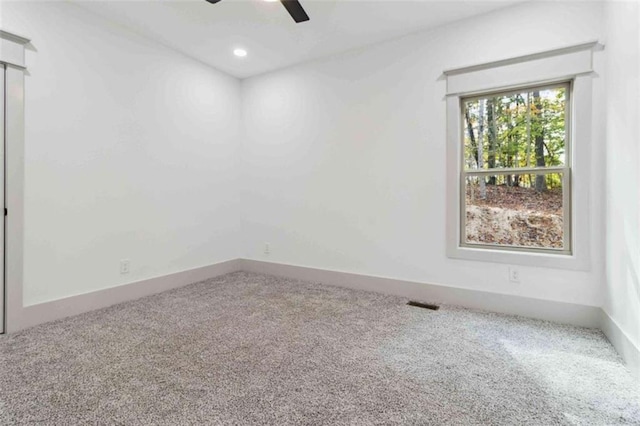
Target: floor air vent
423	305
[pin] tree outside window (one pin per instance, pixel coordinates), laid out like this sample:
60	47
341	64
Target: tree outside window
515	182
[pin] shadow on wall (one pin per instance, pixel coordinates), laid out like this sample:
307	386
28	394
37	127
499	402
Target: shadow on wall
632	273
629	263
629	276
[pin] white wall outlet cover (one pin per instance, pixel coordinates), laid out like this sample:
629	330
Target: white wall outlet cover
124	266
514	275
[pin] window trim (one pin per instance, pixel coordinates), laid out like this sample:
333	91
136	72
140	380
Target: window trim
565	170
561	68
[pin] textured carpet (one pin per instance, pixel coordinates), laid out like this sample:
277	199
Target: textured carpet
254	349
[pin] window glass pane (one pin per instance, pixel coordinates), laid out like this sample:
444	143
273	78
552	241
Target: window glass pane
521	210
522	129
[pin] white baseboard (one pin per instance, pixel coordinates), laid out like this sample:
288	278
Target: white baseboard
623	344
566	313
74	305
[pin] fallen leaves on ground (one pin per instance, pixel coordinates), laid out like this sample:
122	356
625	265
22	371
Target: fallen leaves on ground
515	216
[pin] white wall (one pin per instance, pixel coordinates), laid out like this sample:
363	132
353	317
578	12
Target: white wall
344	158
131	153
622	302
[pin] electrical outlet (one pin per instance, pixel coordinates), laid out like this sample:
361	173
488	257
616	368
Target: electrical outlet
267	248
124	266
514	274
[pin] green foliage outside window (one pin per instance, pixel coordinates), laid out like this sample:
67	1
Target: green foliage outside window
522	129
515	155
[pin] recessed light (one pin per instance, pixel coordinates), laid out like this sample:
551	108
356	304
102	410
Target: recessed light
240	53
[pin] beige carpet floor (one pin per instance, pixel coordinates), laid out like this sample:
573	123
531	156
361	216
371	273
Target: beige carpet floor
247	349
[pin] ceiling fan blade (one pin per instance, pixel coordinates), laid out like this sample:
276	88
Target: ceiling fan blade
295	10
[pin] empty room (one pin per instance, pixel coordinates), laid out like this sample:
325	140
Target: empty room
320	212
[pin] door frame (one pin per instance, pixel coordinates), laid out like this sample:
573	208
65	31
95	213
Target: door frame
12	56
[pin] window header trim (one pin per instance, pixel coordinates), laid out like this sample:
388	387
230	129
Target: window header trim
549	67
589	45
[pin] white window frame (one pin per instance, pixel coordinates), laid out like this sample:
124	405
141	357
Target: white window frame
565	170
574	64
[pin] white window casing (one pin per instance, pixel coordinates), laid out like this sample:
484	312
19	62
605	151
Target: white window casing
573	64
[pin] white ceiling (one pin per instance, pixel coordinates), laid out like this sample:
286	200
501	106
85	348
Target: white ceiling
210	32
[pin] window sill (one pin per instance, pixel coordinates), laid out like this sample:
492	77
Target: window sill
524	258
